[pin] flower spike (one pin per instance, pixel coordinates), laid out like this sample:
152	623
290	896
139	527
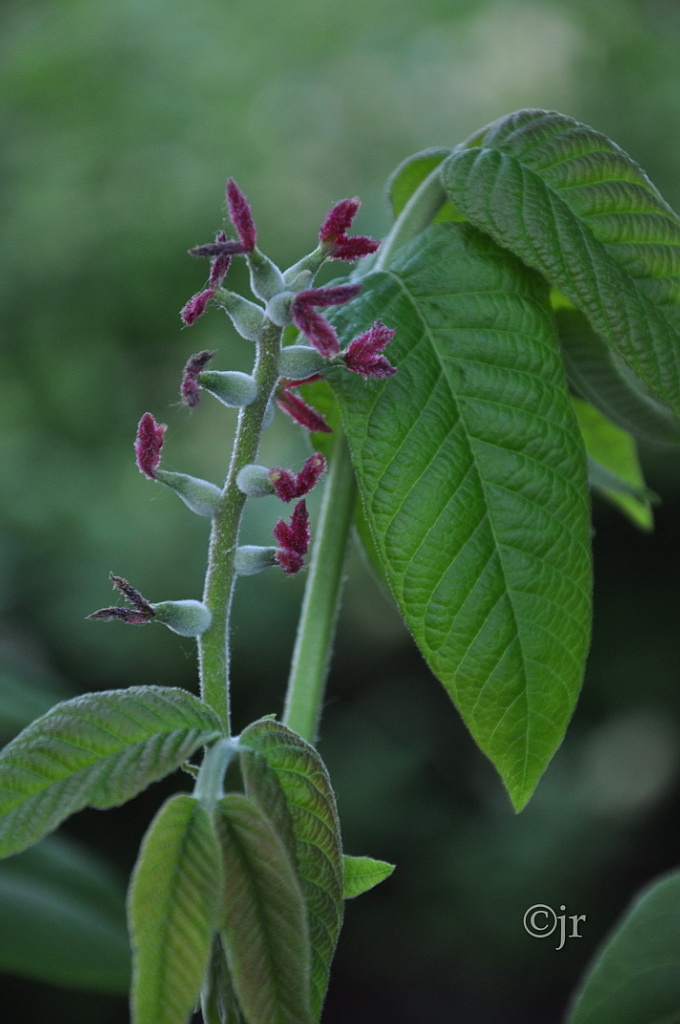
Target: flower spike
333	233
293	539
148	445
363	355
189	390
288	486
241	216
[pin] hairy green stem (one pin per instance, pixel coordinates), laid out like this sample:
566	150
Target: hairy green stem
213	645
316	629
418	212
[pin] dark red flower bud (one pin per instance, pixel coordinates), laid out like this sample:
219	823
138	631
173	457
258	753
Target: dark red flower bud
363	354
293	539
148	444
189	390
334	229
140	610
220	265
196	306
289	485
302	413
354	248
314	327
241	216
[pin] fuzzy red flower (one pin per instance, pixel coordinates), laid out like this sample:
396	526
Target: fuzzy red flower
334	229
316	328
189	389
299	411
293	539
363	355
148	444
288	486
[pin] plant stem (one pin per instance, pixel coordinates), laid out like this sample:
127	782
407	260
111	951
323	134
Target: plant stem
213	645
316	629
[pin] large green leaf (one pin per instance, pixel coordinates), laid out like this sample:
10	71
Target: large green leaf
574	206
264	922
175	896
98	750
62	918
473	477
635	977
288	779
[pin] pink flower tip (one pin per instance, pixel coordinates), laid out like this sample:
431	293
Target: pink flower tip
288	486
148	444
299	411
190	390
196	306
316	328
293	539
241	216
363	355
333	233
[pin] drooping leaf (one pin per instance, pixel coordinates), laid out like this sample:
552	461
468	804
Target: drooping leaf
613	466
472	473
635	977
62	918
314	831
98	750
602	378
574	206
263	920
362	874
175	895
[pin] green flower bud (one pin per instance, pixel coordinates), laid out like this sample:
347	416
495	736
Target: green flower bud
250	559
255	481
246	316
266	279
231	387
278	309
300	361
188	618
200	496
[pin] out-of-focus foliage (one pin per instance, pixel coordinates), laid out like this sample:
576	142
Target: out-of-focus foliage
121	122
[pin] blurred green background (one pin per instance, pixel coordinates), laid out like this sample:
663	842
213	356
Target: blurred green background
121	122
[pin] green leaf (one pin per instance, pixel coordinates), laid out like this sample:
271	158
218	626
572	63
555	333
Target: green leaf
312	832
362	874
574	206
264	923
62	918
601	377
98	750
613	466
635	977
174	905
410	175
472	473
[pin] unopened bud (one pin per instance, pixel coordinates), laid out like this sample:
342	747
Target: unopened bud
266	280
250	559
231	387
247	317
255	481
188	618
200	496
278	309
300	361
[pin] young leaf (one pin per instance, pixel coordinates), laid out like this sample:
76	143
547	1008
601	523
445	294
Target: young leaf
98	750
362	874
574	206
613	466
472	473
62	918
635	977
601	377
174	904
409	176
313	833
264	924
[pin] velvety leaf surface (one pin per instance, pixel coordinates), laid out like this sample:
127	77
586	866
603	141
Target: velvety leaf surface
635	977
98	750
62	918
473	478
314	831
174	904
613	465
362	874
574	206
263	920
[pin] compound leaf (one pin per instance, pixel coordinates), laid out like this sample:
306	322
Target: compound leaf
575	207
98	750
472	474
174	904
